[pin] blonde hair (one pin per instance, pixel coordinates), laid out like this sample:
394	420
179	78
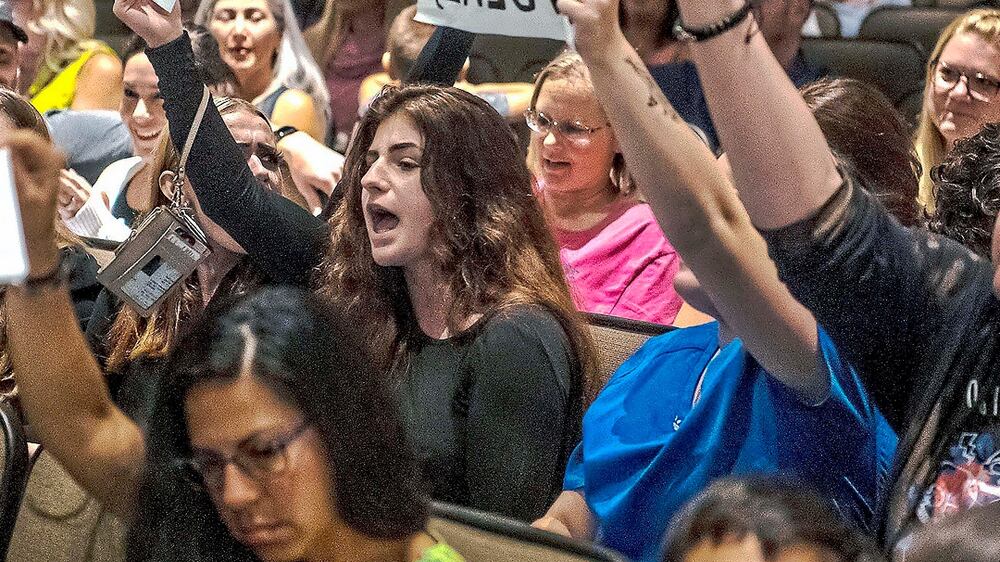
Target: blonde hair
68	27
569	66
929	143
294	67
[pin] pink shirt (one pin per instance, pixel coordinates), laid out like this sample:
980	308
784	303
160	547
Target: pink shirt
359	55
624	266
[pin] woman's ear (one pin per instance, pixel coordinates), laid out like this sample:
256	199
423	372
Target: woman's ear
166	182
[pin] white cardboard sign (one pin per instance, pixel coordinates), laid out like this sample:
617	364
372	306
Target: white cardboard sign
514	18
13	253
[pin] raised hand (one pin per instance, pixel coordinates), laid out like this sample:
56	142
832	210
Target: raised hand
37	165
74	191
149	21
598	32
315	168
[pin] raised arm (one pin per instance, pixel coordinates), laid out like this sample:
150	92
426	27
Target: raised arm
63	393
782	166
880	290
286	240
695	203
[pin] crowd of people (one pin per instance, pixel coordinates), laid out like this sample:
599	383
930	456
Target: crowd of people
317	344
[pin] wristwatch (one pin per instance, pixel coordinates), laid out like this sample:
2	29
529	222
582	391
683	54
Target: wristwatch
283	132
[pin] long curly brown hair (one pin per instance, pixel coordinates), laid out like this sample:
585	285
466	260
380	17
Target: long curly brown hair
489	239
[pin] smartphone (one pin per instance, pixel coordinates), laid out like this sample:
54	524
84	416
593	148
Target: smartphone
13	252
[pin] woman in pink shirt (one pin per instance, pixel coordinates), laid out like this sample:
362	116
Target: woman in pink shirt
615	256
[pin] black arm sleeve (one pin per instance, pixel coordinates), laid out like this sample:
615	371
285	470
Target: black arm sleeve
441	60
283	240
518	415
882	291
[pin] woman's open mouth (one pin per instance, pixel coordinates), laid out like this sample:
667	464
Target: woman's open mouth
381	219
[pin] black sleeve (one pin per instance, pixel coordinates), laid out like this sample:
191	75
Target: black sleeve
882	291
518	414
441	60
283	239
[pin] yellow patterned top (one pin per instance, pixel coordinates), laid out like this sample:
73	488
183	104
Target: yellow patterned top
55	90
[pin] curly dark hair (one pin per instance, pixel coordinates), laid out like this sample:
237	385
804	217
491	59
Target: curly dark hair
967	191
489	238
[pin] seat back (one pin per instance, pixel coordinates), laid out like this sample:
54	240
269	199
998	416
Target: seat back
617	339
60	522
897	69
920	26
827	20
485	537
13	471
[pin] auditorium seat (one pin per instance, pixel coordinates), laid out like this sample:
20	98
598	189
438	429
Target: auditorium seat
918	25
13	471
617	339
827	20
109	28
495	58
485	537
897	69
59	522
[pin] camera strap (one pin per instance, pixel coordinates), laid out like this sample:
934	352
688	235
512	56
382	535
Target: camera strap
166	247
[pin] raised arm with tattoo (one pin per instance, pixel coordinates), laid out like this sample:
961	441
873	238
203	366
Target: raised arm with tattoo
695	204
782	165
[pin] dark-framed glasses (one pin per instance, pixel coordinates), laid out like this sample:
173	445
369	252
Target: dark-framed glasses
571	130
980	86
257	458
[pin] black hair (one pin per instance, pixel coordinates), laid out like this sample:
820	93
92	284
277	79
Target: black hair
306	353
967	191
208	63
778	511
969	536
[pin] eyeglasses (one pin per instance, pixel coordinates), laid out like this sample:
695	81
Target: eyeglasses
258	459
574	131
980	86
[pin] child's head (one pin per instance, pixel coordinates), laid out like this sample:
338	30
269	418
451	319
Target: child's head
763	519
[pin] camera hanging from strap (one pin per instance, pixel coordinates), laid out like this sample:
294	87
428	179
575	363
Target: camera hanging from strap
166	247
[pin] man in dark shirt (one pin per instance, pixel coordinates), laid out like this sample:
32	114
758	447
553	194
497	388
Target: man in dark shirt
780	23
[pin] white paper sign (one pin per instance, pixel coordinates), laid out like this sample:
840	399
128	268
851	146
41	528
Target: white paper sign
13	254
167	5
514	18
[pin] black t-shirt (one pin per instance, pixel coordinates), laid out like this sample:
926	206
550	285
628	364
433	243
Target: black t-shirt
916	315
490	412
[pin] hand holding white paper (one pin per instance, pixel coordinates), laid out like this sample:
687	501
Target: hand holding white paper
167	5
13	252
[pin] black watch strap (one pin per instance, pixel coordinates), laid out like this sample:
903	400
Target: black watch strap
694	34
283	132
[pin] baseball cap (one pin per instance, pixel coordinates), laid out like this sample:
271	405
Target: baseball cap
7	18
